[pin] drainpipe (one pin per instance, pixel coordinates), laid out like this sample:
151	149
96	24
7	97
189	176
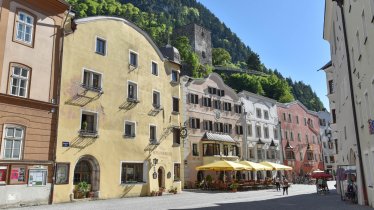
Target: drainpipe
244	124
50	201
341	6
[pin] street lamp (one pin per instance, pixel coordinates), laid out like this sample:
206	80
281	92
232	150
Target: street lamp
260	144
272	145
154	161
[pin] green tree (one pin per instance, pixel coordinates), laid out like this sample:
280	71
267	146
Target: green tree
220	56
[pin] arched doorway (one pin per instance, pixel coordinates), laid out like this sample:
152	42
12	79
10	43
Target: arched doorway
161	177
87	169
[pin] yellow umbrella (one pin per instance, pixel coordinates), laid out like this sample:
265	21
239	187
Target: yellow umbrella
256	166
276	166
223	165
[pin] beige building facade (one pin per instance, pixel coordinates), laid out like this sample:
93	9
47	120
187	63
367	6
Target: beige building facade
119	128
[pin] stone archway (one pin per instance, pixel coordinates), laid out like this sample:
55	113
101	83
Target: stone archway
88	169
161	177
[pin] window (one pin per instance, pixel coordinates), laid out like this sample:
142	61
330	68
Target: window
154	68
19	81
290	155
152	133
301	156
304	121
177	171
251	153
307	138
258	131
175	104
218	127
156	103
331	144
227	128
249	130
208	125
82	172
333	116
289	118
266	132
212	90
313	139
275	133
309	155
100	46
326	160
364	26
266	114
88	124
258	113
25	28
216	104
132	91
260	154
174	76
324	144
211	149
133	59
238	108
132	173
194	123
203	54
299	136
239	129
176	136
129	129
286	134
91	80
13	139
297	119
220	92
195	151
226	106
291	136
331	86
284	116
207	102
332	159
194	99
225	150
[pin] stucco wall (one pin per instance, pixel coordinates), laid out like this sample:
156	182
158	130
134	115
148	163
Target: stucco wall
19	195
110	147
38	58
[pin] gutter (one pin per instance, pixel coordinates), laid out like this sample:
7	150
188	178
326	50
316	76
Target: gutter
341	4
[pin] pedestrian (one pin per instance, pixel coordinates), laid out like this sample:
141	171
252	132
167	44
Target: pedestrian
285	185
277	183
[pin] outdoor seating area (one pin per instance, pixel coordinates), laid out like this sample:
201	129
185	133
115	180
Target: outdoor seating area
231	176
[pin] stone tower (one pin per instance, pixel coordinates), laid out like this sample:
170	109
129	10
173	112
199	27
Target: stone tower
200	40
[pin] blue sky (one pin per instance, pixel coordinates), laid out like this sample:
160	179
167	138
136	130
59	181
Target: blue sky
287	34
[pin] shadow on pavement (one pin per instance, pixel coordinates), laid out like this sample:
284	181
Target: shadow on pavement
329	201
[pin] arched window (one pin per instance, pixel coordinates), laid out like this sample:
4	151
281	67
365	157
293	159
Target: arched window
12	142
82	172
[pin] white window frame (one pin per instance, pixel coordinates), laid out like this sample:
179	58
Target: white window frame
25	24
258	131
96	114
266	132
171	75
258	113
266	114
180	174
21	144
19	78
41	170
249	130
105	47
137	58
159	98
149	130
91	77
157	69
133	134
145	174
136	92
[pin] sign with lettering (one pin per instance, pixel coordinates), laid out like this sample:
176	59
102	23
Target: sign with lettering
3	170
371	126
65	144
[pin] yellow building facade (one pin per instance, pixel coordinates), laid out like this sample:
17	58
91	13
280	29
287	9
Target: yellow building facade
119	128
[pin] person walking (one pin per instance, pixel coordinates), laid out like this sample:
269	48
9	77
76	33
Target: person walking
285	185
277	183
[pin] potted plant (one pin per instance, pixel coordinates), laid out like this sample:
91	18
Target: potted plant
234	186
84	125
83	188
173	190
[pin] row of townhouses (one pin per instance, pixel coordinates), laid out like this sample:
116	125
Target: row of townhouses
95	100
348	27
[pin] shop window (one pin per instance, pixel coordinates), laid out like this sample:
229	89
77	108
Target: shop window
132	173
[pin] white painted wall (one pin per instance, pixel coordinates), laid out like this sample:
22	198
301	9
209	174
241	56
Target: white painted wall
20	195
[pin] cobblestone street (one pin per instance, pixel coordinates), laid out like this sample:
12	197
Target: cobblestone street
300	197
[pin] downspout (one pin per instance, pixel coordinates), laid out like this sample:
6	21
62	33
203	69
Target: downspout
57	110
340	4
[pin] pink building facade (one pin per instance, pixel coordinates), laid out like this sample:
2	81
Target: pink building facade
211	113
300	139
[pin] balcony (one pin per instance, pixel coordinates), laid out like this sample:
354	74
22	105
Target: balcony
88	133
211	159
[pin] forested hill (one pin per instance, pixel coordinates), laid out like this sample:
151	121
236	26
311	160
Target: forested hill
159	18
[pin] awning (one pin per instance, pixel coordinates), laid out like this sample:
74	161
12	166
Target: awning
218	137
276	166
256	166
223	165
